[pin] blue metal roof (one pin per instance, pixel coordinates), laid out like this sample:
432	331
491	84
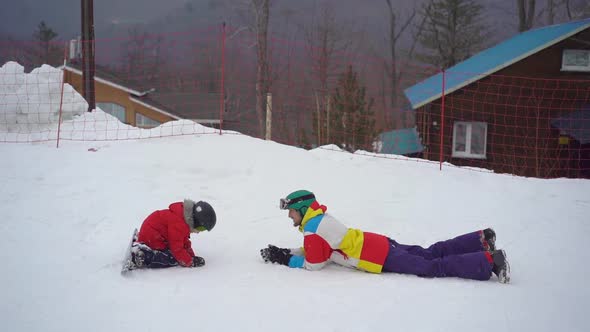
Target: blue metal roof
491	60
401	141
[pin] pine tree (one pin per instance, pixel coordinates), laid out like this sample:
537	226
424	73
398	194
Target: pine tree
453	31
353	120
48	53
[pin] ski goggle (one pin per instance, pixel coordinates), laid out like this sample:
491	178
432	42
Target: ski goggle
286	202
200	228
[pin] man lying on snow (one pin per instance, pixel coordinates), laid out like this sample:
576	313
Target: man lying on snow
164	237
470	256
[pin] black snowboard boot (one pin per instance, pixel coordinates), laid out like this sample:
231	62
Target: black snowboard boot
488	239
501	267
140	255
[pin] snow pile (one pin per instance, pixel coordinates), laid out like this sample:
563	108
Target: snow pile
30	105
30	102
100	126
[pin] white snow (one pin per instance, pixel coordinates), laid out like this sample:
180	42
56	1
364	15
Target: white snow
30	106
67	213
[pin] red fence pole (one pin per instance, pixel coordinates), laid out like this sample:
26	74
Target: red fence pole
442	120
222	94
61	100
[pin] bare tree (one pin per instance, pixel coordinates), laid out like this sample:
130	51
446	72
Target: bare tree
260	9
531	13
551	6
577	9
526	14
453	31
142	55
204	70
394	72
286	101
253	16
568	9
324	39
553	11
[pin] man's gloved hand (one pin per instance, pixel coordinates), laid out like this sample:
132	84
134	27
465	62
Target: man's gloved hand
275	254
198	261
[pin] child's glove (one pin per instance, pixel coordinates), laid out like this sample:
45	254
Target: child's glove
198	261
275	254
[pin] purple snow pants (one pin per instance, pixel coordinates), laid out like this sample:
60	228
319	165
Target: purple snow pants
461	257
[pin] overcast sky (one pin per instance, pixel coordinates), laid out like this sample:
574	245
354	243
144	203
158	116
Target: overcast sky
64	15
112	17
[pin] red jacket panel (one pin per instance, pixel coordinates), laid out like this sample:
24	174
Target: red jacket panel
317	249
167	229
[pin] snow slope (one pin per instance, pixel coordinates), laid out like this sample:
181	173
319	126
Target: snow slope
66	215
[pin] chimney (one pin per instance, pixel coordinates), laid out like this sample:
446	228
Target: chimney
75	49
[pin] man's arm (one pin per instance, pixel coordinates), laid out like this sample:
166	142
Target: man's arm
314	255
317	253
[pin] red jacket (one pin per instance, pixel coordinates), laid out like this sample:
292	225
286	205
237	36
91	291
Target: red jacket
168	229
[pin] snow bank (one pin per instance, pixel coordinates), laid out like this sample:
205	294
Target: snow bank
30	107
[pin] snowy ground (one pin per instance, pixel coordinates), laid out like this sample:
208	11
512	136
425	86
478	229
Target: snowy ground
66	216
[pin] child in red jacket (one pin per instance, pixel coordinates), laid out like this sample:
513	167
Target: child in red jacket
164	237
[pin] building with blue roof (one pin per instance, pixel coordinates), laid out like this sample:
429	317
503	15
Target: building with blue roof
404	142
513	107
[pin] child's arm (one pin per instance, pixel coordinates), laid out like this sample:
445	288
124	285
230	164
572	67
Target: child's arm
177	240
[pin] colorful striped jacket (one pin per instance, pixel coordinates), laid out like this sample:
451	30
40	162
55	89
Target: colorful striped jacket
326	239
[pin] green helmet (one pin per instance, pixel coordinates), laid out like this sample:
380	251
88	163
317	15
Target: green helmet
298	200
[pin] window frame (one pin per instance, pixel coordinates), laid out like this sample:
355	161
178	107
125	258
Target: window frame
468	135
137	124
571	52
98	104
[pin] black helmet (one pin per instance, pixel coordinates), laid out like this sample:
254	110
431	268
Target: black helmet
204	215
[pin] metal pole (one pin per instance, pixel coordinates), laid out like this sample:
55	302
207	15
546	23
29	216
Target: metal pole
442	120
88	67
83	42
222	98
61	98
268	116
328	120
319	119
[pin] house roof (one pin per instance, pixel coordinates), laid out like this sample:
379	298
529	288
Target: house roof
201	107
575	124
492	60
401	141
109	77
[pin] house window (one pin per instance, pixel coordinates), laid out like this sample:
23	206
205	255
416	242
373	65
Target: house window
575	60
113	109
145	122
469	139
